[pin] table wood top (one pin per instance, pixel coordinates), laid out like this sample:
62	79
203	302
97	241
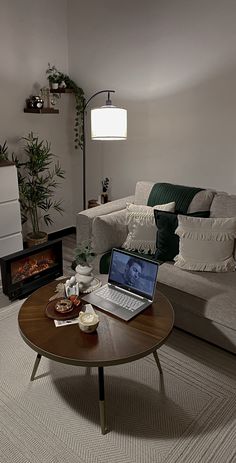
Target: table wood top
114	342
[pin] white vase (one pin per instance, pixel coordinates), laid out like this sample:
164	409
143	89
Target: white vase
84	274
84	269
54	85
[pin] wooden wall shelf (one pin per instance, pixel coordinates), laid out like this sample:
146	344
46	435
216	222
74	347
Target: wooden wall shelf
61	90
41	111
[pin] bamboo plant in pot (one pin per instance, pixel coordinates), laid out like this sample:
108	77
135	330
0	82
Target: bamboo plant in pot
37	177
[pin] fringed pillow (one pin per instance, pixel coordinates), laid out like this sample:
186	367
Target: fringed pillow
206	244
141	227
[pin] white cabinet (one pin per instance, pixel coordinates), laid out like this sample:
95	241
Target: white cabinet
10	218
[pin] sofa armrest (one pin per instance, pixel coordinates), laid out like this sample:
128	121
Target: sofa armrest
109	231
84	219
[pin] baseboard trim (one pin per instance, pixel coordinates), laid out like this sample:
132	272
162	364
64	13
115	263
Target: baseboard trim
61	233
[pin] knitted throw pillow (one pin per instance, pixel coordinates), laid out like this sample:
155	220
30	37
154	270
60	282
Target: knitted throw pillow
141	227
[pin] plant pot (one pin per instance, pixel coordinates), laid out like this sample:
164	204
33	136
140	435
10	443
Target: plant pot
84	274
104	198
84	269
33	240
62	84
54	85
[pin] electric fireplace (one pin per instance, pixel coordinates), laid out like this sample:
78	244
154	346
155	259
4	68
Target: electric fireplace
25	271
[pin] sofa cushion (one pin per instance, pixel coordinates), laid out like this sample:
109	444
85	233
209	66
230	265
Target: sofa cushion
209	295
109	231
165	192
202	201
223	205
167	242
142	192
206	244
142	228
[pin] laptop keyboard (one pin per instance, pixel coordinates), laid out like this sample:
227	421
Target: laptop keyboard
122	299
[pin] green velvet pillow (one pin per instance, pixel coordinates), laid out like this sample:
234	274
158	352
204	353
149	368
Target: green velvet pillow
167	242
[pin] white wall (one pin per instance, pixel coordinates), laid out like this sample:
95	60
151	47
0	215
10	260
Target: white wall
173	66
31	35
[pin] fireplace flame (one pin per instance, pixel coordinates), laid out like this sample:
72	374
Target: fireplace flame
27	267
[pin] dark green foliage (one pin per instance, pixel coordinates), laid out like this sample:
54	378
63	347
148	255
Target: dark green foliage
37	182
84	253
54	75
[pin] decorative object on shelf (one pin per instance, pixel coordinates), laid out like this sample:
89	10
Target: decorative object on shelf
51	99
88	320
107	123
65	82
37	182
4	151
34	102
46	96
105	186
53	76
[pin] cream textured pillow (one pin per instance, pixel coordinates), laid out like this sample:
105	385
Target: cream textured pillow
142	228
206	244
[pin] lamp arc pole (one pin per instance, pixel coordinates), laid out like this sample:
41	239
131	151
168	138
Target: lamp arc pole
108	102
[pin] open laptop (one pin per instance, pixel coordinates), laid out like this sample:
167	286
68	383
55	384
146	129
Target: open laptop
131	285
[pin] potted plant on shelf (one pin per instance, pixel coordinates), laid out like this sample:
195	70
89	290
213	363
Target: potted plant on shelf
53	76
84	255
64	81
37	183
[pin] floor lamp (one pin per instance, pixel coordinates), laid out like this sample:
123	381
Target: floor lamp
107	123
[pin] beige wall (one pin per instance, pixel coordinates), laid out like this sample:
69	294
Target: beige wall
31	35
173	66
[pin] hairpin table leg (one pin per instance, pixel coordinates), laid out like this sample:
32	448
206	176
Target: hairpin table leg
157	362
102	400
36	364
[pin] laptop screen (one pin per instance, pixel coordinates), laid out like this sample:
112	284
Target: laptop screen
133	273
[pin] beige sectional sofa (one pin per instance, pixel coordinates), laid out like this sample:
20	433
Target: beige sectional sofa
204	302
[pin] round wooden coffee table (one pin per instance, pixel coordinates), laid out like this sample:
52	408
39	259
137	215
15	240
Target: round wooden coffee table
115	341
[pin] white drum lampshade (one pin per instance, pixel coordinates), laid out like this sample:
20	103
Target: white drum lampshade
109	123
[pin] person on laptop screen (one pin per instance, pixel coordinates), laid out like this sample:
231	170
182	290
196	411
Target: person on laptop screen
133	272
128	271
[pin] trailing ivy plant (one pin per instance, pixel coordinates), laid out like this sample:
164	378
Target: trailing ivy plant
64	79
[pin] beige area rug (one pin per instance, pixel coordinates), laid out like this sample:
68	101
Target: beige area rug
188	418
